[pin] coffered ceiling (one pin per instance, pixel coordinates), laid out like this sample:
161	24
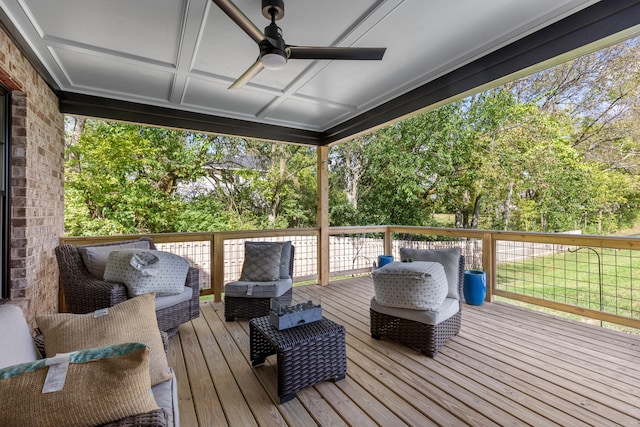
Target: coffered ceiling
171	61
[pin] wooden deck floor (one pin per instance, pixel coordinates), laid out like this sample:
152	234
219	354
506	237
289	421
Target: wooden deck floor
508	366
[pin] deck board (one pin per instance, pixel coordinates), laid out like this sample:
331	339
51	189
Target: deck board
508	366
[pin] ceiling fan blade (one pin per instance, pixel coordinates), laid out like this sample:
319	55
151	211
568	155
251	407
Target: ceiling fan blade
247	75
240	19
355	53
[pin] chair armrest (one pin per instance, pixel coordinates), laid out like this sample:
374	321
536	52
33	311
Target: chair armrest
461	279
83	293
193	278
87	294
193	281
165	341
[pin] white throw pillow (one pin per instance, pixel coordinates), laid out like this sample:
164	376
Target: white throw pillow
415	285
144	271
17	343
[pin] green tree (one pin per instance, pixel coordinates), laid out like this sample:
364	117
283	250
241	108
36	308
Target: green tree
265	185
123	178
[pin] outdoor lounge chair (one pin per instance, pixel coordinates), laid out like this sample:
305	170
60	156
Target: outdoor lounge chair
84	292
21	347
425	330
264	277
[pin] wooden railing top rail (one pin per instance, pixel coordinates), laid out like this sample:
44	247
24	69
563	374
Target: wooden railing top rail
159	237
241	234
614	242
454	232
356	229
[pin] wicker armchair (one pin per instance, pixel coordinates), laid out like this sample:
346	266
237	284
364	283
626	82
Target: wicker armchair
426	338
237	304
83	293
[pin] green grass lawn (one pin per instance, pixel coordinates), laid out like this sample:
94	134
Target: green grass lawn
597	279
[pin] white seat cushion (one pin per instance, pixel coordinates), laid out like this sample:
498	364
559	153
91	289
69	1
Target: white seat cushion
171	300
448	308
270	289
17	342
166	395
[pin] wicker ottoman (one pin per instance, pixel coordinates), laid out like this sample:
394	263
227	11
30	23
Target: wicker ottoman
306	355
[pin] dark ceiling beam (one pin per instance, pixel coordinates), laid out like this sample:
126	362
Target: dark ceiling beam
112	109
589	25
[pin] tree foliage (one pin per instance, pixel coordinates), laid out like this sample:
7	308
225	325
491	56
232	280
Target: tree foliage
124	178
556	150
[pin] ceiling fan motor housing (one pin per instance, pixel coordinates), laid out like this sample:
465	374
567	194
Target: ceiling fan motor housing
276	5
274	43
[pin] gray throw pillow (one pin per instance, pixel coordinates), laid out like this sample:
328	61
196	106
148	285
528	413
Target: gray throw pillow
95	257
449	258
261	261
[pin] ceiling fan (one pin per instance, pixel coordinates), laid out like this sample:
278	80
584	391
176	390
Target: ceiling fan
274	52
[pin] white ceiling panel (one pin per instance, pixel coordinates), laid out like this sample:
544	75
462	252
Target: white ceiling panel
204	95
184	54
94	74
297	111
142	28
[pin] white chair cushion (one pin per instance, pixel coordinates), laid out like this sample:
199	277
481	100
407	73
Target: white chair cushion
166	395
448	308
171	300
17	342
270	289
414	285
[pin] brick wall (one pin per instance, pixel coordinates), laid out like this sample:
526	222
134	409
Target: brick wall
37	183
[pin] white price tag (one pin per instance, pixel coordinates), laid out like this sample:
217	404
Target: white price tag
101	312
57	374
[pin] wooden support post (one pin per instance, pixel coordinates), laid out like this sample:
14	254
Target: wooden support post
323	215
489	263
388	242
217	267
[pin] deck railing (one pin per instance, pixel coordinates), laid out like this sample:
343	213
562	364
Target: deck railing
591	276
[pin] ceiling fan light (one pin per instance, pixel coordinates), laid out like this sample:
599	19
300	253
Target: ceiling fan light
273	61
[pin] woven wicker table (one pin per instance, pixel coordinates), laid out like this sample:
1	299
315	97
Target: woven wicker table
306	355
